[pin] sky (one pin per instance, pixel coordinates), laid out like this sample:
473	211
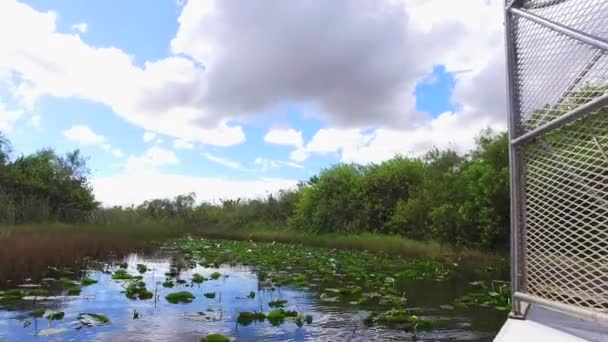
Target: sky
229	98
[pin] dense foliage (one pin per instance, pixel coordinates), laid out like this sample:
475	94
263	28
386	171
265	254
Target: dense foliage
443	196
43	186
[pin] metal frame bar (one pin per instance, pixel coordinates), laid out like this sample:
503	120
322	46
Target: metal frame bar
514	159
517	139
572	115
570	32
580	312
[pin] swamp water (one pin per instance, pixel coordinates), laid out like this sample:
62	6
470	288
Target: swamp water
245	291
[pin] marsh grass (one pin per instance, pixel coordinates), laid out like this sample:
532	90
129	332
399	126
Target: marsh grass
376	243
55	251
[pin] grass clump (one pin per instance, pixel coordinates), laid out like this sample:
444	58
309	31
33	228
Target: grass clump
216	275
279	303
251	295
137	290
197	278
215	338
121	274
400	318
209	295
141	268
123	265
168	283
70	286
276	317
248	317
180	297
86	281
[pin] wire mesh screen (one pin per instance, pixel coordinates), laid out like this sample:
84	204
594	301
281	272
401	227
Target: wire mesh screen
559	64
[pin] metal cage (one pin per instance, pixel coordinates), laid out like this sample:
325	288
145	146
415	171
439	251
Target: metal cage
557	71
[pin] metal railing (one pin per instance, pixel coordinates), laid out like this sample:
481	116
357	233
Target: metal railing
557	71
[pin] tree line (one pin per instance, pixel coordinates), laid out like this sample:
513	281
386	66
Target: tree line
44	186
460	199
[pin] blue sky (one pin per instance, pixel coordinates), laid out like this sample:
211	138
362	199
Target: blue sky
154	93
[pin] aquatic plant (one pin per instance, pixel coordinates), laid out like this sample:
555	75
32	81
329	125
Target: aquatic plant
137	290
123	265
402	318
53	315
93	319
86	281
209	295
197	278
173	272
168	283
141	268
276	317
497	294
279	303
180	297
251	294
121	274
72	288
216	275
247	317
215	338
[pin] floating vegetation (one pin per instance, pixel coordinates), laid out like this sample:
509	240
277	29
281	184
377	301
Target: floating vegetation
121	274
248	317
496	294
70	286
123	265
86	281
92	319
209	295
180	297
38	313
141	268
276	317
168	283
12	295
137	290
53	315
173	272
279	303
216	275
215	338
401	318
197	278
251	294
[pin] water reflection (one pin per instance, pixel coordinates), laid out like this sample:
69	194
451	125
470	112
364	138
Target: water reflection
159	320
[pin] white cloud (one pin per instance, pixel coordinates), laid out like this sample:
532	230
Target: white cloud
116	152
62	65
82	134
264	165
111	190
179	144
149	162
149	136
35	121
456	131
223	161
8	117
289	137
80	27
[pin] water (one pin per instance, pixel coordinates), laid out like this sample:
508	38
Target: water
162	321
